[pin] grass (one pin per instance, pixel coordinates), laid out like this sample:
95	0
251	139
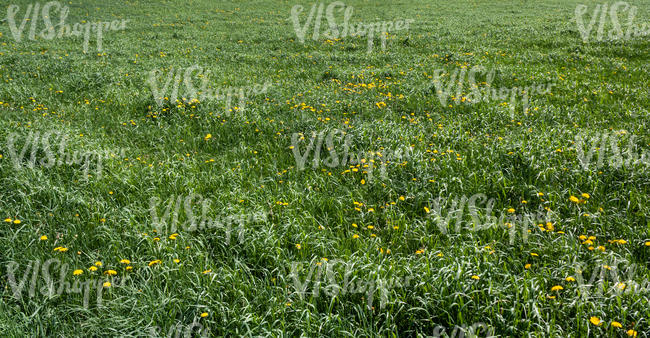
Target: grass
247	278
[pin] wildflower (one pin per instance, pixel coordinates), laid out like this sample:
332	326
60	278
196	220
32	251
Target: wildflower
475	277
298	246
534	254
207	271
156	261
401	198
511	210
574	199
107	284
176	260
355	236
207	137
557	288
92	268
570	279
527	266
125	261
426	210
631	333
595	320
98	263
128	268
585	195
43	238
173	236
110	272
371	227
204	314
617	324
77	272
17	221
8	220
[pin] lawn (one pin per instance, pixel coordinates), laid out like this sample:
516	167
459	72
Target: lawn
225	168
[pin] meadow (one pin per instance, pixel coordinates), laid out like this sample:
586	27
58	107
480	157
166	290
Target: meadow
225	168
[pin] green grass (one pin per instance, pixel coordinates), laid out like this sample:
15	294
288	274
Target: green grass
101	102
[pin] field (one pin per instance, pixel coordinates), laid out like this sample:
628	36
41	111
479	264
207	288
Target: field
484	171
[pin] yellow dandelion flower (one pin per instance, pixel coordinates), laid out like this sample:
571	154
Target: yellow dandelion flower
355	236
204	314
511	210
43	238
574	199
92	268
298	246
77	272
595	320
17	221
107	284
129	268
125	261
154	262
585	195
110	272
475	277
527	266
557	288
426	210
570	279
617	324
631	333
98	263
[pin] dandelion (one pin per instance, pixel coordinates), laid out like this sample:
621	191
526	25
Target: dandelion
176	260
128	268
298	246
173	236
8	220
207	137
570	279
631	333
110	272
371	227
17	221
355	236
154	262
401	198
511	210
475	277
107	284
43	238
527	266
585	195
574	199
125	261
77	272
617	324
557	288
595	320
207	271
204	314
92	268
426	210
